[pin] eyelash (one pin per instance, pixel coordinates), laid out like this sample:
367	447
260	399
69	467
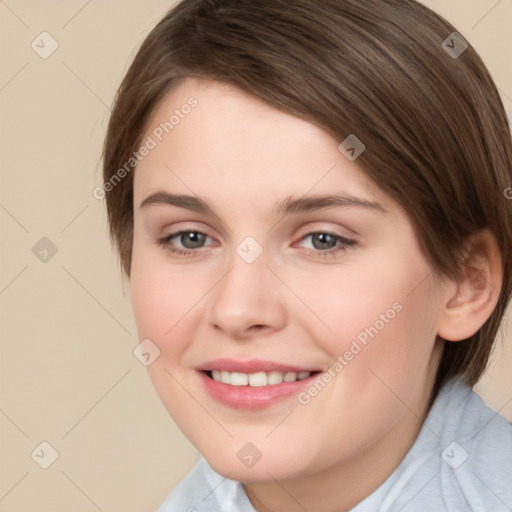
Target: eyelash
343	244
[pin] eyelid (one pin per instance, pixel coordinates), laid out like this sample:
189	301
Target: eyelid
186	227
320	227
343	240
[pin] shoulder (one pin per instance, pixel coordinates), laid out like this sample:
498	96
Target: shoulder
461	460
460	416
204	490
476	447
474	450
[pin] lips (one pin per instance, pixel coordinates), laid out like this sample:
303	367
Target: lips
254	384
251	366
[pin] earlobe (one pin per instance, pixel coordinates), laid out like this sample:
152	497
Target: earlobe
476	291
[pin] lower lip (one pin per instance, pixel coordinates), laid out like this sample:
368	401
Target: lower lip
253	398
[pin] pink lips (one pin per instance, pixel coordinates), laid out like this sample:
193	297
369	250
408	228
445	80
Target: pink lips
247	397
251	366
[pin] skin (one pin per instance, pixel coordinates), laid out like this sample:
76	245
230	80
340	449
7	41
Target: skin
292	305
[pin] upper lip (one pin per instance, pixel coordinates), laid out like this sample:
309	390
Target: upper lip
250	366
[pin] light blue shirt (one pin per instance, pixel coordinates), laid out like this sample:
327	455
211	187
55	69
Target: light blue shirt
461	461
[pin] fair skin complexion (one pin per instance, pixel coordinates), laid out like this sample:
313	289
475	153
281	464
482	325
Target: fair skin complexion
301	302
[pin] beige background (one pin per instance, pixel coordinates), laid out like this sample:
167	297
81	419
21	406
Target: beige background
68	374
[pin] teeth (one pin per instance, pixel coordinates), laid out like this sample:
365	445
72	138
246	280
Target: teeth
239	379
274	378
257	379
290	377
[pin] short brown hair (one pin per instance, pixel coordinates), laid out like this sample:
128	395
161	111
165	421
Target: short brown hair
435	130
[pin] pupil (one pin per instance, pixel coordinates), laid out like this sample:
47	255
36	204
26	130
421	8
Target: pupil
323	241
192	240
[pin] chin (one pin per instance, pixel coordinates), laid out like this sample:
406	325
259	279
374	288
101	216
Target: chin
240	467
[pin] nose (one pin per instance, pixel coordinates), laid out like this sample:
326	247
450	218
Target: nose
248	300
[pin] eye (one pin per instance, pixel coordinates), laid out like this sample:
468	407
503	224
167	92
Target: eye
320	243
191	239
184	242
325	244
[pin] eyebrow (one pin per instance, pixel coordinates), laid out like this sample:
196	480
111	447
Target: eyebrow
289	206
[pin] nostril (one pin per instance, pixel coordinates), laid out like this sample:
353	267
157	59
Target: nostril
257	327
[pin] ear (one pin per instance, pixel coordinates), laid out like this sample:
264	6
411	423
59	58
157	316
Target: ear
471	299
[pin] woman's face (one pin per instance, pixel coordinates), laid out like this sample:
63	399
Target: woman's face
278	260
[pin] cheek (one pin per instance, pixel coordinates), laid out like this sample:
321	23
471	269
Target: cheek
381	317
163	302
381	358
162	295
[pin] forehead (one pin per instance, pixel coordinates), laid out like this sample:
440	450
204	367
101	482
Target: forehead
209	135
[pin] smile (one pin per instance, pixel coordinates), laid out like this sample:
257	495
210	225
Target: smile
257	379
254	384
